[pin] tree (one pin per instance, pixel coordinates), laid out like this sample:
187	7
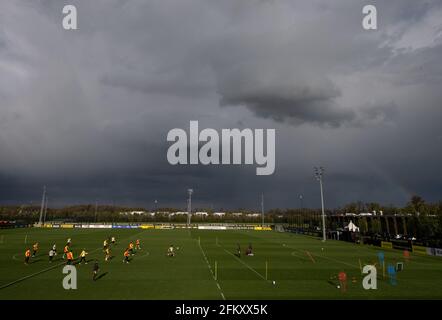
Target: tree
416	204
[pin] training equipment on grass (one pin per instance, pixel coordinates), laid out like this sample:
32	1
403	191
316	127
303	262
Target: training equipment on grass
399	266
381	257
406	255
392	274
310	256
216	270
267	267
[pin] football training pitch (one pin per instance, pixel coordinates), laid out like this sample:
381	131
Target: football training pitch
284	266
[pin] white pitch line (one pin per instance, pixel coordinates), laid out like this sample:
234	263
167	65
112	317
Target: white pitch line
31	275
260	275
210	269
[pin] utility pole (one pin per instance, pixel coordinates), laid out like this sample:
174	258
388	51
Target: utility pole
43	199
319	172
189	206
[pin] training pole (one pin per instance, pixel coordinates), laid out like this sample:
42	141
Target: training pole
267	268
26	238
216	270
360	265
383	269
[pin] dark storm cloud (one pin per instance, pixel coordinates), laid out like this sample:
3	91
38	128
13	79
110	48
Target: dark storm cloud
87	112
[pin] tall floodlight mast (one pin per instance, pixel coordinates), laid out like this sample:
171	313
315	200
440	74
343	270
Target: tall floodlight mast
189	206
319	172
46	209
43	201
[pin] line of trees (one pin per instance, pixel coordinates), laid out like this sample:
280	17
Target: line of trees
424	213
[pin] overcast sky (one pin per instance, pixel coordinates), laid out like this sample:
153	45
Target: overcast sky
86	112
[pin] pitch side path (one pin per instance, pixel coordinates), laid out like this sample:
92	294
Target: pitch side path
206	267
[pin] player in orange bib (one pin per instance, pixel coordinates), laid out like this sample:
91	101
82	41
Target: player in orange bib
138	244
65	251
126	256
70	257
27	256
131	248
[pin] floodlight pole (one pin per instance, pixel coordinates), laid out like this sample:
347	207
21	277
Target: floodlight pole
319	173
46	210
189	206
43	200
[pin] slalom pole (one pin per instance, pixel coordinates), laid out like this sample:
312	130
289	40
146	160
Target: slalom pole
216	270
267	269
360	265
26	239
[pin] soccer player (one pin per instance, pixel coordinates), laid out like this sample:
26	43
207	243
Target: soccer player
65	251
113	240
239	251
249	251
27	255
70	257
126	256
108	254
170	251
51	255
95	270
342	277
34	249
105	245
83	255
131	248
68	242
54	248
138	246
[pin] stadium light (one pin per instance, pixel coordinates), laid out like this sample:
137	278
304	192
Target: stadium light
189	206
319	172
43	201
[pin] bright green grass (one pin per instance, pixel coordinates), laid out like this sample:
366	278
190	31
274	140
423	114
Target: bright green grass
152	275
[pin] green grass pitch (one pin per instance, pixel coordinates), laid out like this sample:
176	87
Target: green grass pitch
191	273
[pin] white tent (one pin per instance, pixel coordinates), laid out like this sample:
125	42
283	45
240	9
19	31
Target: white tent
352	227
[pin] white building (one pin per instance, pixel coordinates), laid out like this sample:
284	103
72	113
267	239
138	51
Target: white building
133	213
179	213
201	214
253	215
237	214
219	214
